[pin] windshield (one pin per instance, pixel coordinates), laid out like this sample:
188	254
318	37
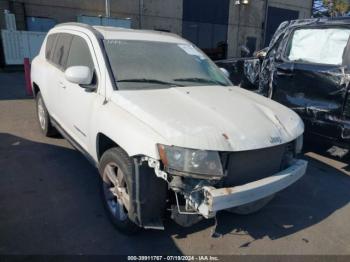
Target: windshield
146	64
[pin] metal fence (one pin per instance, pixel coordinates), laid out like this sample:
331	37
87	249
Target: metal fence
20	44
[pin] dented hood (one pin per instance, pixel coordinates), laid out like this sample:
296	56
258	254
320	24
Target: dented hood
212	117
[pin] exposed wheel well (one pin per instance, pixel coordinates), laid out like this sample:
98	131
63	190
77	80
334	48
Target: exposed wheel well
147	191
103	143
35	89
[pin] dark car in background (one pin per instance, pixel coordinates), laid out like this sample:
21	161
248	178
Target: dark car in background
307	68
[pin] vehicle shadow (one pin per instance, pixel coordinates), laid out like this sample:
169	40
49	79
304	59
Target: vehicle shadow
50	204
320	193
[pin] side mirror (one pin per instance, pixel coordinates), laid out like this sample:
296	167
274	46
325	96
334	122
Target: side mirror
80	75
226	73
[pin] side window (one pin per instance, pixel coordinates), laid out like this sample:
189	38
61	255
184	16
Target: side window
346	56
50	44
79	54
318	45
61	50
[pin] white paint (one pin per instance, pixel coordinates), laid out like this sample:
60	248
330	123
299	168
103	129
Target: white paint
79	75
132	34
194	117
197	117
224	198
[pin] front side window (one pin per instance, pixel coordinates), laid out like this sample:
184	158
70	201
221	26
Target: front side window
322	46
61	50
50	45
148	64
79	54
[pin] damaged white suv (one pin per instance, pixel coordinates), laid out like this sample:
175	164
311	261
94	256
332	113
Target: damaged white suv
163	124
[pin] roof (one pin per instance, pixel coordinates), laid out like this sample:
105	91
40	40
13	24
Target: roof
110	32
321	21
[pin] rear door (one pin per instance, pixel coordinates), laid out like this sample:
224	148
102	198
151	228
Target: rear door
311	76
48	71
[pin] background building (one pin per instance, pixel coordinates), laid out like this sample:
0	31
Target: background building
219	27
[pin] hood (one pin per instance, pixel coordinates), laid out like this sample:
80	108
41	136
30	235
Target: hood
212	117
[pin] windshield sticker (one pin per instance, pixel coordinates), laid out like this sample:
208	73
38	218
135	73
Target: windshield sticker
189	49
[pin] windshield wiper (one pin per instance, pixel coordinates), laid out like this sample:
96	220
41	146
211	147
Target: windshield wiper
152	81
199	80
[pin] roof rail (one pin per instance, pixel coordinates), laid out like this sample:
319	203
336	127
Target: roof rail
86	26
75	24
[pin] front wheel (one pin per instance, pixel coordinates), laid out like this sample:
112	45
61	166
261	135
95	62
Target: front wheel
251	208
116	170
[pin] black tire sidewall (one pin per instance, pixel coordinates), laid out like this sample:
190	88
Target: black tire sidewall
121	159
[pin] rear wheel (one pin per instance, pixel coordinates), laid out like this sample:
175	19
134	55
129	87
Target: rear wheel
251	208
116	169
44	118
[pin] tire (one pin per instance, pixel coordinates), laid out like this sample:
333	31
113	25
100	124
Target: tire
251	208
117	171
44	118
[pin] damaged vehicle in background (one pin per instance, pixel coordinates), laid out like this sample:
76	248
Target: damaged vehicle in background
164	125
307	68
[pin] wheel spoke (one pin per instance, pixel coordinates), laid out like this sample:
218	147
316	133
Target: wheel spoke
115	191
120	178
110	173
41	114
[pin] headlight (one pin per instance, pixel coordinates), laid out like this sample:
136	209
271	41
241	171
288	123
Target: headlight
299	144
191	162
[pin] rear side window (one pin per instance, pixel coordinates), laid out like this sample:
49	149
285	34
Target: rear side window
321	46
61	50
79	54
50	44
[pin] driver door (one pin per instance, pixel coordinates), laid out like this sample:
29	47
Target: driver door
78	102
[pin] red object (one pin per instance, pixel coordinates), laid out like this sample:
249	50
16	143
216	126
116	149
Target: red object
29	90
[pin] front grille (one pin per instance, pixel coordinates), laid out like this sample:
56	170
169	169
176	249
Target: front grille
248	166
347	106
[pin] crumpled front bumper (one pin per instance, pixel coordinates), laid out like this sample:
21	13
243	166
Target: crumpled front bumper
224	198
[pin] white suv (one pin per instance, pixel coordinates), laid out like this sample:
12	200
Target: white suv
163	124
